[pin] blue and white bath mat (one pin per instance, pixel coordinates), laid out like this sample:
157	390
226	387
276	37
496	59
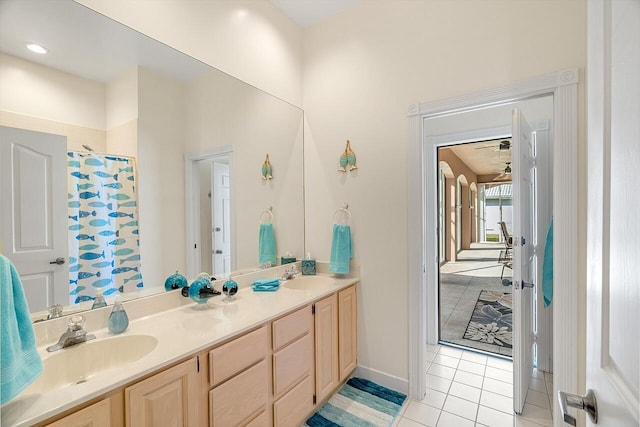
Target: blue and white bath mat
360	403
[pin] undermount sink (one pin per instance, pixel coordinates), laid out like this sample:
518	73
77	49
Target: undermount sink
77	364
305	283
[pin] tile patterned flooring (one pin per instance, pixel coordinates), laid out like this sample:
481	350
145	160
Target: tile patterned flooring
468	389
460	285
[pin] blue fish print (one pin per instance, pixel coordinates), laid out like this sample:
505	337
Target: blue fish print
73	163
101	205
94	162
123	270
139	285
103	264
110	291
69	196
73	282
136	231
74	217
110	233
77	290
74	204
83	298
118	196
89	195
72	260
114	185
88	247
131	204
131	258
85	275
85	237
99	222
122	252
131	178
116	242
92	255
127	169
106	175
71	154
136	277
76	227
84	186
101	283
120	215
76	267
80	175
84	214
133	223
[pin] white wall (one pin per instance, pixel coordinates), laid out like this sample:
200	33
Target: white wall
362	69
249	39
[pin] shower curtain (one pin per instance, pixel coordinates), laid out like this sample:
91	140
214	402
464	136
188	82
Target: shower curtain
104	246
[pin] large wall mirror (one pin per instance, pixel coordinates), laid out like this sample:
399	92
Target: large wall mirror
175	172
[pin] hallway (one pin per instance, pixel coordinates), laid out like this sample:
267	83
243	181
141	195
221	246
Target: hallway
461	282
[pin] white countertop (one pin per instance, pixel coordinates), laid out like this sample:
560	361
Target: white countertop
181	332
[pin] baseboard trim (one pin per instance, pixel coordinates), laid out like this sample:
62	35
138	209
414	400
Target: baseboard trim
385	380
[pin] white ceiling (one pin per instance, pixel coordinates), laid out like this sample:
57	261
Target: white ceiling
308	12
484	158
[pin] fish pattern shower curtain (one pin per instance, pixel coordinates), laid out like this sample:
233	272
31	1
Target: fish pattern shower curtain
104	246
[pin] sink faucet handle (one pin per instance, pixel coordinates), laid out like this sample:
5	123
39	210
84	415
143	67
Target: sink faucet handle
76	322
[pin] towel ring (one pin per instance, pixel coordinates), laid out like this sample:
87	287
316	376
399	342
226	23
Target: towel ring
344	209
268	211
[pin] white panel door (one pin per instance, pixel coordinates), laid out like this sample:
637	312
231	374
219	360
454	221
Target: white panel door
613	226
524	267
34	213
221	219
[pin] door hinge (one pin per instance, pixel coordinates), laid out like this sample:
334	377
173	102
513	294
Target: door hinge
198	363
313	311
314	399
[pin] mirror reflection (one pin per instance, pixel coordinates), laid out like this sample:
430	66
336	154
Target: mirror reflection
173	181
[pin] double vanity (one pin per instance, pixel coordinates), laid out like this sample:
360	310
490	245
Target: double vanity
264	359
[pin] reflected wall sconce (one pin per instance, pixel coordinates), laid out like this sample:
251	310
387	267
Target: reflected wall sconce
266	169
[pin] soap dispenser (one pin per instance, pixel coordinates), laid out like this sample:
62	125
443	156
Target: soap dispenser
118	319
99	301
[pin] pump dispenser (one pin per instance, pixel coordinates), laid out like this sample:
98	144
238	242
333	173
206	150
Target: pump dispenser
118	319
99	301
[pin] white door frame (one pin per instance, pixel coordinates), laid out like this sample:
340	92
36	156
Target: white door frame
563	85
192	205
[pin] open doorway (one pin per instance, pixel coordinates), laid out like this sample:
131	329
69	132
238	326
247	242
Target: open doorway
475	216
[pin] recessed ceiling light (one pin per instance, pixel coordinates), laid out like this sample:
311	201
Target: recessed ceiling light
34	47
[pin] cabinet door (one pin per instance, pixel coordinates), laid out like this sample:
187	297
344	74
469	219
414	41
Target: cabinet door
169	398
96	415
326	336
347	331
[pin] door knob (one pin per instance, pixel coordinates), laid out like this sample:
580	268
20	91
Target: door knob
506	282
218	251
217	229
586	403
58	261
527	285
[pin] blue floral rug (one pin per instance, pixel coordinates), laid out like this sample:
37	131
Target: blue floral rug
360	403
492	319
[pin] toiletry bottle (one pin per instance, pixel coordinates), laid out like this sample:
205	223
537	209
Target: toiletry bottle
99	301
118	319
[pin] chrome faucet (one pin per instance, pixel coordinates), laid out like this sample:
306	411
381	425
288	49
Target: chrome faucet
75	334
290	273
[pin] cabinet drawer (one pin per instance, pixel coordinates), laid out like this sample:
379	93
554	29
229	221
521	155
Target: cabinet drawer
291	327
291	364
261	420
237	355
233	402
294	406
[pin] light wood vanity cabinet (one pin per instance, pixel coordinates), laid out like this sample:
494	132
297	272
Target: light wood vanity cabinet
326	337
347	331
169	398
97	415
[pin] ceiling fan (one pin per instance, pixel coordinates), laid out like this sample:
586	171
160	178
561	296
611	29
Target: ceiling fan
506	175
502	145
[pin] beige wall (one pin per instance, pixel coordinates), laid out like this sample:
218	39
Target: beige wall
362	69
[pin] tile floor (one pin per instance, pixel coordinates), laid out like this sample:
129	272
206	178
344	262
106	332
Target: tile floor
460	285
468	389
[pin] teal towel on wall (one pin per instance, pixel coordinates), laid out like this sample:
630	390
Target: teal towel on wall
267	244
20	363
341	249
547	267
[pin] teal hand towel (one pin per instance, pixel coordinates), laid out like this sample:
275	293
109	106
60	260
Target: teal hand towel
266	244
263	282
20	363
547	267
341	249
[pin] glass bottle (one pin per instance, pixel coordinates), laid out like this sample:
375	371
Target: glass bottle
118	319
99	301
